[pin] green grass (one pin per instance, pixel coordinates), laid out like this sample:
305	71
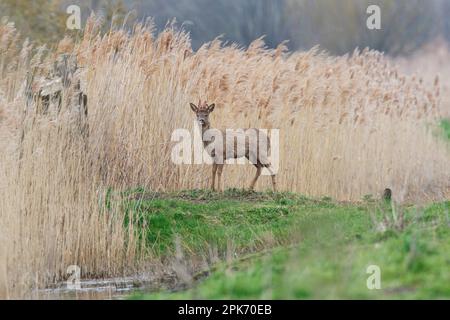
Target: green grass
202	220
290	247
445	125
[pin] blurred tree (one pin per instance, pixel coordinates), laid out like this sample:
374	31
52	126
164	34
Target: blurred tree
112	12
44	21
41	20
240	21
338	26
445	19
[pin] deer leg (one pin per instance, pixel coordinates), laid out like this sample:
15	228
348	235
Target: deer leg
258	173
214	170
219	177
274	181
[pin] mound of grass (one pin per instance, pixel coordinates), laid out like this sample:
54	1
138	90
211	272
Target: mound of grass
331	246
203	219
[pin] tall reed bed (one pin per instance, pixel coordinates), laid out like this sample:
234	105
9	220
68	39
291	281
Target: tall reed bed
349	126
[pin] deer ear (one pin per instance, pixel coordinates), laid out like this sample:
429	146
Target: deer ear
211	107
194	107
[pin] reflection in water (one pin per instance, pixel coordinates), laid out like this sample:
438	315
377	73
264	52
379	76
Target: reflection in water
116	288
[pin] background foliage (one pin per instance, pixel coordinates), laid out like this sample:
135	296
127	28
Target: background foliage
337	26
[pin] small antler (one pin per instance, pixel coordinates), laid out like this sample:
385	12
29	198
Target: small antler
202	105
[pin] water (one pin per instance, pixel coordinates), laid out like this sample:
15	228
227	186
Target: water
104	289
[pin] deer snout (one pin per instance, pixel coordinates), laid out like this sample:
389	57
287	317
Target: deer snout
201	121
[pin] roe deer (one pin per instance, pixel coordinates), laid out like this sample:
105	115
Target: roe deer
249	142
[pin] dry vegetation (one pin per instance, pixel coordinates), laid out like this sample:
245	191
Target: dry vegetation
428	62
349	126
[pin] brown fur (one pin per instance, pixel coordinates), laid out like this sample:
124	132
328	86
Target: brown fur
253	138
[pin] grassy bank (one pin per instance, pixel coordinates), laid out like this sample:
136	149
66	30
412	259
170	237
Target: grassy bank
202	220
287	246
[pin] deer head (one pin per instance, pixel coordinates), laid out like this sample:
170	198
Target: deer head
202	112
